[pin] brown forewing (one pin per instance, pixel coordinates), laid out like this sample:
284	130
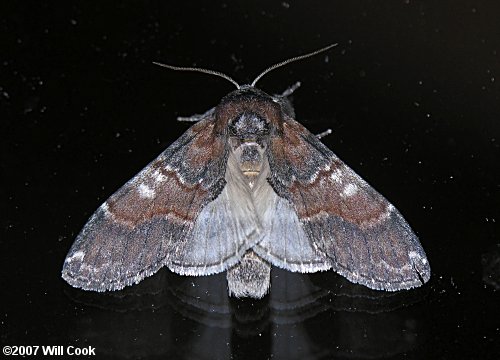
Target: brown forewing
132	234
365	236
174	192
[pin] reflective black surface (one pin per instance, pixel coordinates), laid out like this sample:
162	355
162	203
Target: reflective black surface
413	98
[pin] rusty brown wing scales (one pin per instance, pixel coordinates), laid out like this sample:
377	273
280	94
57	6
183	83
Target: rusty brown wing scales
364	236
149	222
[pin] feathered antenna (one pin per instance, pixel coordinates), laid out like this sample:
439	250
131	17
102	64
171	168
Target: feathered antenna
206	71
296	58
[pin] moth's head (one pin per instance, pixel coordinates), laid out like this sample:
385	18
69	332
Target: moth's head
248	115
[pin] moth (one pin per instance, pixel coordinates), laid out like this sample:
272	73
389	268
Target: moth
245	188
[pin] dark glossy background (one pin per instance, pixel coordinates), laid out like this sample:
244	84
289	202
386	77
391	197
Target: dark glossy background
412	95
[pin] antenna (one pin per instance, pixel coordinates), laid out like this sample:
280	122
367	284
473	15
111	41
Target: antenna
300	57
206	71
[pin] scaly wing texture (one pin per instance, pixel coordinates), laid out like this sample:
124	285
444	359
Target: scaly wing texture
364	236
285	243
152	220
223	231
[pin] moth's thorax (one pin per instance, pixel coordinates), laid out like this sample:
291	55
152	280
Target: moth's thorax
250	157
248	137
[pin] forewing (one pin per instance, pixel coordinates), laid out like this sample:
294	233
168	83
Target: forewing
149	222
365	237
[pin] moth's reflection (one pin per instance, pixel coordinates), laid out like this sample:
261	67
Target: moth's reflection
304	316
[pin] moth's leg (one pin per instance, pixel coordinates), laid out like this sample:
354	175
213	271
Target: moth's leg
290	90
324	133
196	117
285	102
287	105
251	277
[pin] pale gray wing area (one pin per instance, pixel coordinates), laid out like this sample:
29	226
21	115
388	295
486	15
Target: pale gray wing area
223	231
285	243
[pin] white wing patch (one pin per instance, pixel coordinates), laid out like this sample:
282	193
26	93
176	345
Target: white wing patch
145	191
159	177
349	190
79	255
337	175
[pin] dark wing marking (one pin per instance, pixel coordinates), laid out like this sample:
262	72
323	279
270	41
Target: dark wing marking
149	222
366	238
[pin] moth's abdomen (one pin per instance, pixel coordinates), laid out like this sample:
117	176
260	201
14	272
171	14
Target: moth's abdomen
251	277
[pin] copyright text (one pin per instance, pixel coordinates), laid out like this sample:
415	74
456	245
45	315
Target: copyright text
48	350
